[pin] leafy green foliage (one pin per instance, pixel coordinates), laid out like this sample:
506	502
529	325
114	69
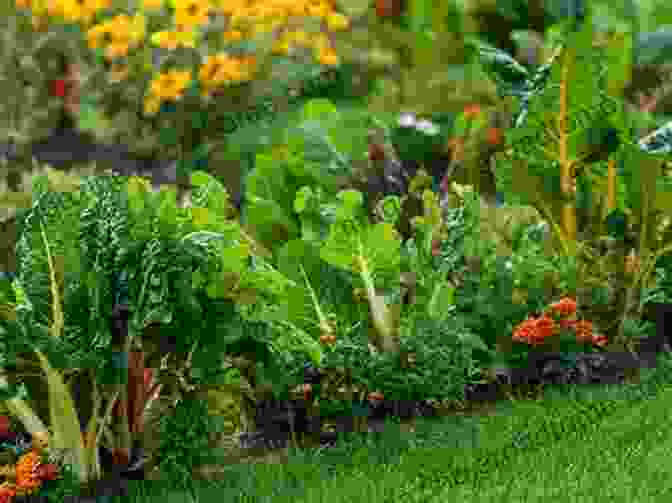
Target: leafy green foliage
60	211
184	441
189	271
317	150
494	292
352	237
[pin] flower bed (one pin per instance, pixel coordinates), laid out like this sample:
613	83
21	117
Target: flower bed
380	285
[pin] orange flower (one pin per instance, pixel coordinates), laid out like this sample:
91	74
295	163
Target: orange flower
584	330
26	477
7	493
546	326
526	331
564	307
535	331
567	324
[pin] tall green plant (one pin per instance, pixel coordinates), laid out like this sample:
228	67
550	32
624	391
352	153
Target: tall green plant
180	263
571	120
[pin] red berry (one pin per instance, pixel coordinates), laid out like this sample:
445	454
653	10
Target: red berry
59	88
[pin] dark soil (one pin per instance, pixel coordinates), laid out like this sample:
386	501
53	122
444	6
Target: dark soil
274	433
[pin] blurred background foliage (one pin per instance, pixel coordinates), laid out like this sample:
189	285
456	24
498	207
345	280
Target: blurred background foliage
389	48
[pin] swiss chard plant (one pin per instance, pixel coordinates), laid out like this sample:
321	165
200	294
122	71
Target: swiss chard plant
191	272
572	155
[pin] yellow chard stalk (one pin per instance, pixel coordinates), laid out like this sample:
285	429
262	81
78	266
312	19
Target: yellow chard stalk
64	420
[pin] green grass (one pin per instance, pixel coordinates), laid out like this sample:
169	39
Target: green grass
576	444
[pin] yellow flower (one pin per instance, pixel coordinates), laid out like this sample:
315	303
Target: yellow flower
233	35
170	86
98	5
298	9
212	70
116	50
265	27
98	35
229	6
222	69
298	37
173	39
320	41
75	11
23	4
192	12
337	22
118	34
328	57
119	24
282	47
152	105
275	12
152	4
53	9
138	28
318	10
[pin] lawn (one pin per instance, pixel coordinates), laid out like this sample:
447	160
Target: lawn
574	444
